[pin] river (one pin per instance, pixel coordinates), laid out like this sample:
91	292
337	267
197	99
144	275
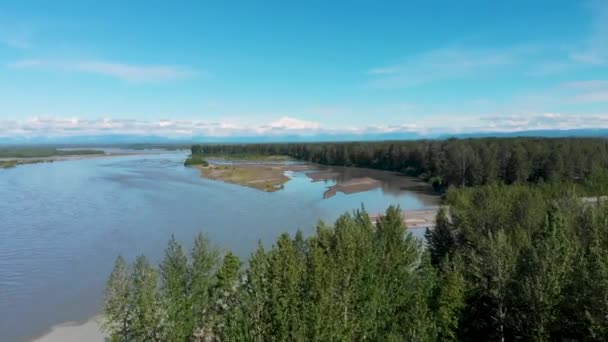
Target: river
62	224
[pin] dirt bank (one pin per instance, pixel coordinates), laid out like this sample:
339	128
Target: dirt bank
416	218
352	186
263	176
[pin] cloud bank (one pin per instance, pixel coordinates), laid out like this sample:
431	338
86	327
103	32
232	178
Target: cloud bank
289	126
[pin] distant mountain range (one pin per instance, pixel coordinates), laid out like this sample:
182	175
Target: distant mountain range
152	139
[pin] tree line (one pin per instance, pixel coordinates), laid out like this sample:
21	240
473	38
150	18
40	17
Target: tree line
453	162
505	263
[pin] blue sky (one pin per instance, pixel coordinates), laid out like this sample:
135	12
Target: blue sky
308	67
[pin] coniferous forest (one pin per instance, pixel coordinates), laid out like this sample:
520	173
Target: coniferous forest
452	162
523	259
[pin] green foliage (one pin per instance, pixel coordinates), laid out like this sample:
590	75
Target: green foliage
145	303
41	152
196	159
117	304
350	282
449	299
504	263
452	162
205	260
441	240
546	270
175	286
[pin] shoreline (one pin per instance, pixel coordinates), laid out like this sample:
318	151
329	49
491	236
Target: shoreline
73	331
15	162
415	219
268	177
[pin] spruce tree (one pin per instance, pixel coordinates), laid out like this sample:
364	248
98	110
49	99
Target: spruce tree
225	296
148	312
205	260
546	271
176	292
490	268
441	239
284	291
118	309
256	301
449	298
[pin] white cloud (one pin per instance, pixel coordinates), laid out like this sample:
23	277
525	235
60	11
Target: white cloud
61	126
442	64
594	96
126	72
288	123
544	121
589	91
288	126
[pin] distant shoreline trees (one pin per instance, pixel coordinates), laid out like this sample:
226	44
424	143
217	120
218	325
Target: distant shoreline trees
196	159
453	162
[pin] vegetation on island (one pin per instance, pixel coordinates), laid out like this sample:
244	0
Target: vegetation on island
251	157
263	177
196	159
262	172
42	152
506	263
7	164
21	155
452	162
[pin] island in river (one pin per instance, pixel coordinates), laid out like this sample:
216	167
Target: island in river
263	176
271	173
14	156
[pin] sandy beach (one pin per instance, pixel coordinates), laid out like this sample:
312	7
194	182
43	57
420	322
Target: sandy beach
352	186
75	332
262	176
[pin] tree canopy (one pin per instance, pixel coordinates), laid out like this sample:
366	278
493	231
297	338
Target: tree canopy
505	263
452	162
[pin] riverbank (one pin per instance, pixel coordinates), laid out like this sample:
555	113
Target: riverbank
89	331
6	163
268	177
352	186
415	219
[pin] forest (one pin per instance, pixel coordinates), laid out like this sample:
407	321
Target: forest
507	263
454	162
517	254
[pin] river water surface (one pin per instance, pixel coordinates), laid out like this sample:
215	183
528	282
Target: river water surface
62	224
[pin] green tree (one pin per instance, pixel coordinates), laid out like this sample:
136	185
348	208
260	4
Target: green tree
449	299
205	260
256	297
147	309
118	310
176	292
546	271
595	288
441	239
284	291
490	268
227	285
